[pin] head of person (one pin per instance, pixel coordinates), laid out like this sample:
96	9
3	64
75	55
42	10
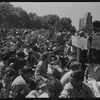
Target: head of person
66	60
43	88
5	56
20	55
56	73
74	66
34	48
53	58
81	33
54	88
12	53
44	55
76	78
9	75
27	45
32	60
28	74
74	55
25	32
94	61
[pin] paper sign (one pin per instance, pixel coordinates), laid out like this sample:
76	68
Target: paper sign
79	42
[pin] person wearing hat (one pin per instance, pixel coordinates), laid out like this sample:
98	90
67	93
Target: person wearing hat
76	88
20	85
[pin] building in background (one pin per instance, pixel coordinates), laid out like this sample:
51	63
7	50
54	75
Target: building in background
85	23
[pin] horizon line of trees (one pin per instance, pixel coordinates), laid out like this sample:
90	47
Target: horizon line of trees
16	17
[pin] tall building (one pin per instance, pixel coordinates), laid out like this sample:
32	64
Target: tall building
81	23
85	23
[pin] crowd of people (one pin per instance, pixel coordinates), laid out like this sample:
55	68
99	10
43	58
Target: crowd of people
39	68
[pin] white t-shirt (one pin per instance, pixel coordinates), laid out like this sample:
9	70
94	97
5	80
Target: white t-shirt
18	81
44	95
66	78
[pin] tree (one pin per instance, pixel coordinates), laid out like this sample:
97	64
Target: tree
16	17
36	21
13	17
63	23
66	22
72	30
49	21
58	26
22	17
6	15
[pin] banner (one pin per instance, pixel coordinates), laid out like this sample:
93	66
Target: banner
95	42
79	42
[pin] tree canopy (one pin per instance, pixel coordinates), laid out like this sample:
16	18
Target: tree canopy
16	17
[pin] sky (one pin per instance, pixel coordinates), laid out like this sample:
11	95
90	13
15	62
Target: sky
73	10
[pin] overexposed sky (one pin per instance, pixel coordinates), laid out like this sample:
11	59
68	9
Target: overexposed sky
73	10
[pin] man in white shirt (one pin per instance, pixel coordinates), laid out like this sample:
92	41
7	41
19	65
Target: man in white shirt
66	77
20	85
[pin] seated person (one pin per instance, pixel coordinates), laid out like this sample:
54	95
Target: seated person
44	92
92	76
8	77
54	64
41	93
93	70
20	85
66	77
76	88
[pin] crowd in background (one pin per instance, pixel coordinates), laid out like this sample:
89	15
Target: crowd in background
34	67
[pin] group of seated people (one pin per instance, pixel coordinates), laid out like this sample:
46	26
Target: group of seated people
29	74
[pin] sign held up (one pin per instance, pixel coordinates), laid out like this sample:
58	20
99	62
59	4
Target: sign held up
79	42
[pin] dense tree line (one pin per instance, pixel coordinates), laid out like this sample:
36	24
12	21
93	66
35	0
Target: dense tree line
11	17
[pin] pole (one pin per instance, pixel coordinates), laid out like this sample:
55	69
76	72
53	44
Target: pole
78	54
